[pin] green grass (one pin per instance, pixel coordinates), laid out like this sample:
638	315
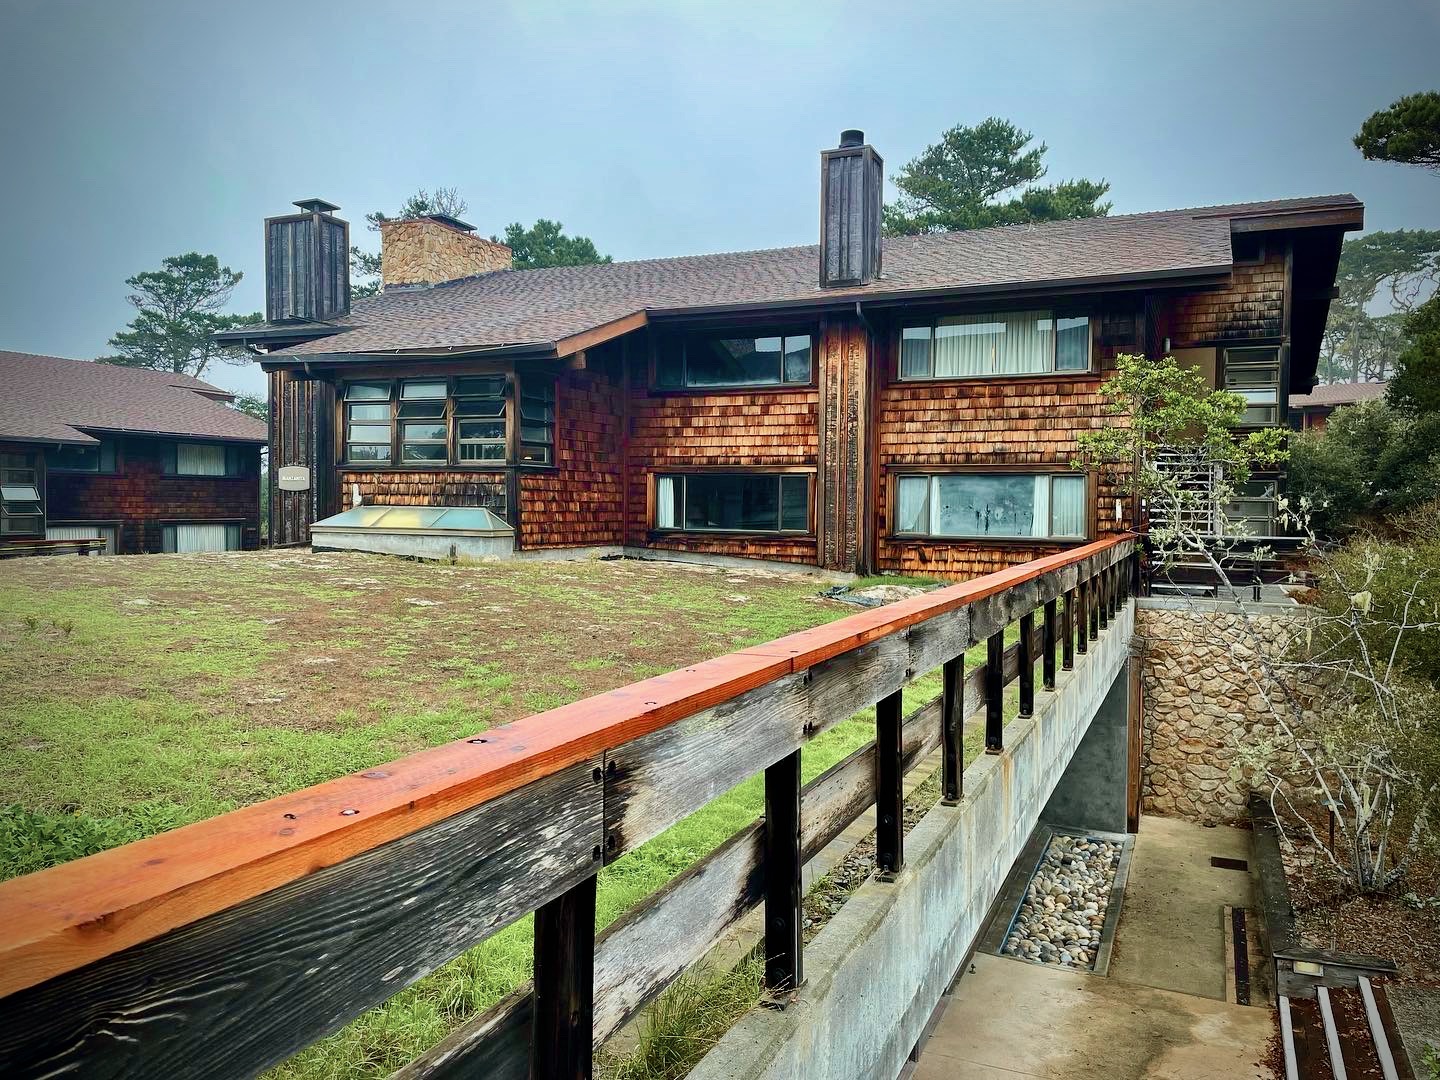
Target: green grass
129	718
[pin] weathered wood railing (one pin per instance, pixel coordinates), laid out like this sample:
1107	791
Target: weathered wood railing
223	947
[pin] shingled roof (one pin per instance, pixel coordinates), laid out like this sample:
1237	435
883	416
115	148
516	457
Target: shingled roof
1332	395
54	400
538	307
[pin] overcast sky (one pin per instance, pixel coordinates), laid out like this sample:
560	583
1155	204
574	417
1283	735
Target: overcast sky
139	129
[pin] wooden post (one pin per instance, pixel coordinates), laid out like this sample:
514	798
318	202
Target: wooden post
1025	654
1067	633
994	692
1092	606
1102	605
889	788
1082	618
560	1042
952	730
1112	589
1047	647
783	948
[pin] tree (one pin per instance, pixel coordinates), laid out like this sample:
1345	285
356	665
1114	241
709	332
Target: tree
179	312
1405	263
365	265
1416	386
543	244
980	176
252	405
1408	132
1173	448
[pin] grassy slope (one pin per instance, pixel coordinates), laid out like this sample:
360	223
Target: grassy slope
152	743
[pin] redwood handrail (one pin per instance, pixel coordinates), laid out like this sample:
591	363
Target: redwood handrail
69	916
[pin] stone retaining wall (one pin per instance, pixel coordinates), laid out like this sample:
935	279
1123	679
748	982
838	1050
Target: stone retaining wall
1202	705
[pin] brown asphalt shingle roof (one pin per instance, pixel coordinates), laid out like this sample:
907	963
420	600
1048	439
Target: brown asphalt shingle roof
1332	395
515	307
51	399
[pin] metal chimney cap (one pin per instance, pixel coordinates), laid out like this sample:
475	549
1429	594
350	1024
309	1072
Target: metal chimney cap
316	206
453	222
851	137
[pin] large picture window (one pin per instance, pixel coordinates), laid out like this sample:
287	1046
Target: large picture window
204	459
726	360
94	458
1254	374
982	505
733	502
999	344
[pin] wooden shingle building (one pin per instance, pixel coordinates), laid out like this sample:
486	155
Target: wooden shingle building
906	404
145	461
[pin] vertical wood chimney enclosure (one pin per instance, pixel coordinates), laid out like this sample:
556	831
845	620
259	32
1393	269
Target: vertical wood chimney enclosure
307	264
851	178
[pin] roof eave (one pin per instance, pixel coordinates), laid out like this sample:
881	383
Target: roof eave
201	436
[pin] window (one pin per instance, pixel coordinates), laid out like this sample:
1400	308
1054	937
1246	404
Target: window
1254	374
98	458
367	423
1253	510
720	361
479	411
424	432
1007	343
200	537
537	421
733	502
204	459
22	512
84	532
991	504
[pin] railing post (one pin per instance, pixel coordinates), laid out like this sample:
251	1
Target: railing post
1047	646
1067	633
1102	604
784	968
1025	654
1082	617
1112	578
1092	605
560	1042
952	730
994	692
889	788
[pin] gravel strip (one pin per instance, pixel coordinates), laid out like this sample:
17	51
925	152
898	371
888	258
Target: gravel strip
1063	912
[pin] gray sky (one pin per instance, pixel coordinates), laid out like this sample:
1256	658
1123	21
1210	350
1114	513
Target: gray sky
136	129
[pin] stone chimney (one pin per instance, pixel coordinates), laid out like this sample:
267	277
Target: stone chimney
429	250
851	178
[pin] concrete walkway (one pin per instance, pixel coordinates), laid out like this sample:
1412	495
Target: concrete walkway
1159	1015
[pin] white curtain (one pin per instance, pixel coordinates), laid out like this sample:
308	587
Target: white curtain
200	459
199	537
1010	343
912	515
1040	507
83	532
665	502
1067	506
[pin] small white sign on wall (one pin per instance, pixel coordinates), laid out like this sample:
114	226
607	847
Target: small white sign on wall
293	478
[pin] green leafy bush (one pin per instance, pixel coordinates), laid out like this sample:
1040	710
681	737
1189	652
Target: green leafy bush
1368	461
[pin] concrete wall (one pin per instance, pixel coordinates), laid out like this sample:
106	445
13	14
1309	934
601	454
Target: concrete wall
1203	707
877	969
1092	792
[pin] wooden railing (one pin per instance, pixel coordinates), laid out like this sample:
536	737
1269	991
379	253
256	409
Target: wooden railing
222	948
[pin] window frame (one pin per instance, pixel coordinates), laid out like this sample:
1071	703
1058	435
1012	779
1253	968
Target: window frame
1270	497
1055	312
104	448
1278	349
779	473
932	473
169	540
683	339
234	461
